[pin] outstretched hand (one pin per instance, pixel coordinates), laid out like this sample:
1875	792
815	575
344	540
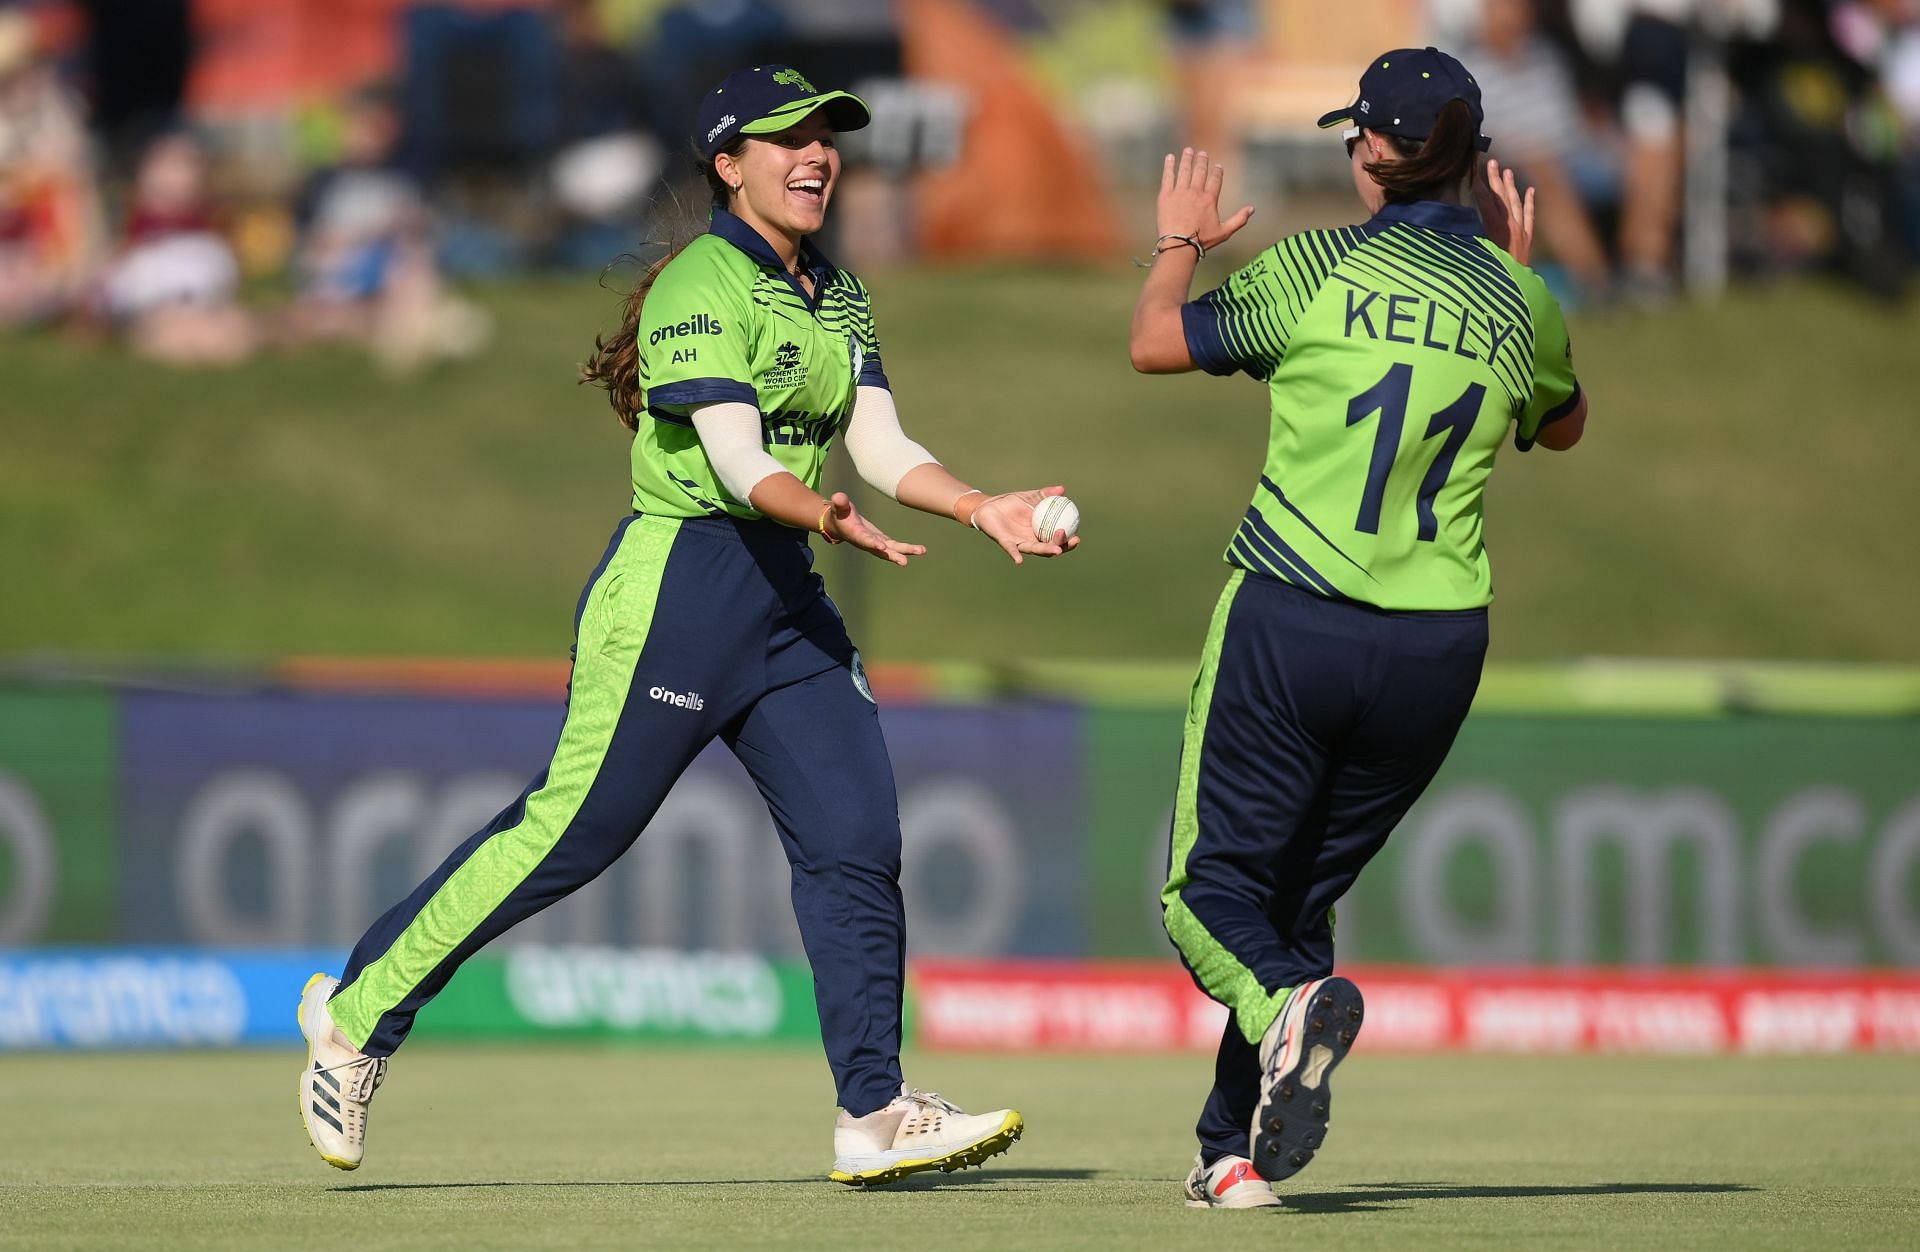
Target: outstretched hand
845	524
1506	213
1008	521
1189	201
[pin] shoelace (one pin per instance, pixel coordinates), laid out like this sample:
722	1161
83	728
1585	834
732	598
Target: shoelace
930	1099
363	1076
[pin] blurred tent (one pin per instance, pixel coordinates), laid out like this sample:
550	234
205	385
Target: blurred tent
262	55
1021	186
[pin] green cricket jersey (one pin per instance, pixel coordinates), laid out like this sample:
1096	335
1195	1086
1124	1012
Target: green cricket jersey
724	322
1396	355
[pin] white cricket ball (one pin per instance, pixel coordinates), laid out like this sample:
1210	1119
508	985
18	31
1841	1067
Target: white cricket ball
1055	517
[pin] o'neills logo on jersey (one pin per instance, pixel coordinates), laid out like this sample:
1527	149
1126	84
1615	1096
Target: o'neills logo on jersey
698	324
679	699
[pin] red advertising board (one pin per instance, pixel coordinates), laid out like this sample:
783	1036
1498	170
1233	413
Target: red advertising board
1129	1007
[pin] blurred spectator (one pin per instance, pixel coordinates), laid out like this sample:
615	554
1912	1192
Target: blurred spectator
365	261
1534	117
605	164
1653	74
1212	41
1885	34
1828	152
139	53
693	45
175	284
50	234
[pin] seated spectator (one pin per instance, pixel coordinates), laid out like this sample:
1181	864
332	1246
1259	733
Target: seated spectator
50	235
365	260
175	283
604	165
1653	70
1533	115
1820	131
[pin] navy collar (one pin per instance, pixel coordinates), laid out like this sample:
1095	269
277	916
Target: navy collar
1453	219
750	241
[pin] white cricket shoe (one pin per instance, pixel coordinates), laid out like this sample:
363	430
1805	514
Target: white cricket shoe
1229	1183
1297	1057
338	1082
917	1131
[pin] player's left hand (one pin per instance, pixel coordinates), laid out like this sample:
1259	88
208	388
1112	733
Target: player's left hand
1007	519
1506	213
1190	200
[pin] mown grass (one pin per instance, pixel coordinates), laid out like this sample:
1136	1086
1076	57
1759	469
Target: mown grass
1744	490
609	1148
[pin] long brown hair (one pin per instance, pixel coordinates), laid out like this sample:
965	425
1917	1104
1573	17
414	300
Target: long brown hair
1431	165
615	363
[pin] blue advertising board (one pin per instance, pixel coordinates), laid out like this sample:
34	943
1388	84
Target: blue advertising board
285	819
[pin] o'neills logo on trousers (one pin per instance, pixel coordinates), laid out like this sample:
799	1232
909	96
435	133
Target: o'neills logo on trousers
679	700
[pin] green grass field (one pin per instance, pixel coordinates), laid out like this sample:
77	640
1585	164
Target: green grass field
587	1148
1745	480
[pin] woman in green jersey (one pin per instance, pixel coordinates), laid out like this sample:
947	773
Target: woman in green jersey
1346	648
743	357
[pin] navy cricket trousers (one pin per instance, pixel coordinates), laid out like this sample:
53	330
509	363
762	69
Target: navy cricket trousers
691	629
1313	726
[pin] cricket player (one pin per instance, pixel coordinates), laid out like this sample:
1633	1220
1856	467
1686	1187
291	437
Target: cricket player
741	360
1346	647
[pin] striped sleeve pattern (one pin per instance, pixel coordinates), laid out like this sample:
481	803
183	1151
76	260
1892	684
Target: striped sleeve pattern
1245	323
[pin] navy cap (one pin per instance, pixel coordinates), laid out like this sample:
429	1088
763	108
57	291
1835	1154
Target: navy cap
765	100
1403	91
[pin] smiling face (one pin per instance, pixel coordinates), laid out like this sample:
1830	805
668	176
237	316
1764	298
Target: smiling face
782	182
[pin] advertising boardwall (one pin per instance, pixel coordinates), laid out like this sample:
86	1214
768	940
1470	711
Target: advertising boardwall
1032	829
298	819
120	998
1789	841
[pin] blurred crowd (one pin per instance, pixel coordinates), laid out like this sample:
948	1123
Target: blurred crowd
512	134
508	137
1673	142
1809	109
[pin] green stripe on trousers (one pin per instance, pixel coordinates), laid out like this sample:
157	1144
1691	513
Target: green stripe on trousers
613	629
1220	972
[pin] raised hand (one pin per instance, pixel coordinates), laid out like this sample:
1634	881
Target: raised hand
1190	200
845	524
1008	521
1507	215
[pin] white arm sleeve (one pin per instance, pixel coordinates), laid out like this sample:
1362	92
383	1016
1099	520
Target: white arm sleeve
881	451
731	436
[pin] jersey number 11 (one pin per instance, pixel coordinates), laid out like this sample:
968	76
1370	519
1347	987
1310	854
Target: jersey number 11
1388	397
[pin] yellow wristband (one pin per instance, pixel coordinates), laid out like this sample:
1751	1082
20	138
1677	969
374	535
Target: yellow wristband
823	523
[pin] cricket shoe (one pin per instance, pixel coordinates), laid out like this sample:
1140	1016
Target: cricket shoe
1228	1183
1297	1055
338	1082
917	1131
